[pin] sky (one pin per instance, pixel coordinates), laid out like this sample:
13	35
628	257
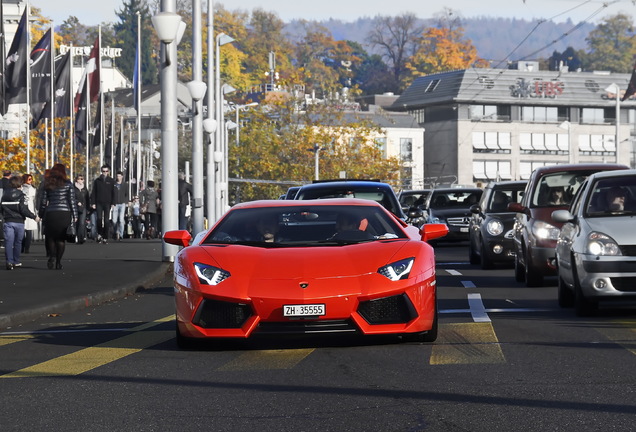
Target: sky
96	12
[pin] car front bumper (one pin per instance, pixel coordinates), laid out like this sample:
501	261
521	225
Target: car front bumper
606	276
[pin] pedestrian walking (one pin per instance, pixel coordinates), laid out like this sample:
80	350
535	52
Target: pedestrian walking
58	209
102	197
135	213
14	209
120	203
185	195
149	200
30	225
82	198
4	184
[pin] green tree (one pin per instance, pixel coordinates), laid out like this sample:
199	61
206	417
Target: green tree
612	45
126	31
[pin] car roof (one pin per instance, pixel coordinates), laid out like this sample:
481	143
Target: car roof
614	173
301	203
507	184
577	167
340	183
457	189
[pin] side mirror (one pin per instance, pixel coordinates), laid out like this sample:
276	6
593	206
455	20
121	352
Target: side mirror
475	209
177	237
516	207
433	231
562	216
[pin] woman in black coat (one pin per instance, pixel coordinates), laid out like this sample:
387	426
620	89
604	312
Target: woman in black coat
58	209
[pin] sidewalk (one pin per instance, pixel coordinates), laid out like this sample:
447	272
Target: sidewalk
93	273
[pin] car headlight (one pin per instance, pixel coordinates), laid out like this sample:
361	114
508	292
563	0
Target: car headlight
210	275
494	227
397	270
545	231
601	244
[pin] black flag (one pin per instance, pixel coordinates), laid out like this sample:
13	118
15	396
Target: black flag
62	101
81	130
40	77
15	78
631	87
97	137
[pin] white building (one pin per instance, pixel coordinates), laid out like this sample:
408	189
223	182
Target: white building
487	124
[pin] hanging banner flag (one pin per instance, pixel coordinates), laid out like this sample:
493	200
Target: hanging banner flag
40	77
15	78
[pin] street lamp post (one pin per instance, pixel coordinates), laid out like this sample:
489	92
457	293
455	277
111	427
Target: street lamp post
614	88
209	124
221	39
197	90
166	24
316	149
224	181
567	125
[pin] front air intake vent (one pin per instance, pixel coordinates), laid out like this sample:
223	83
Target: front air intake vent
218	314
388	310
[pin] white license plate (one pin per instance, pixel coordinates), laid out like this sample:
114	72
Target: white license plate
303	310
463	230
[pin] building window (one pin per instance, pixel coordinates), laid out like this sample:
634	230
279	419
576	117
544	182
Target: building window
406	149
489	112
538	143
526	168
491	142
541	114
491	170
597	115
597	145
380	142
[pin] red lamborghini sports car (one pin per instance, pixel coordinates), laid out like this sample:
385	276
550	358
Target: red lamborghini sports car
306	267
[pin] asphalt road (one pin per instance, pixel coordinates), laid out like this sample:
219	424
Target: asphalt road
507	359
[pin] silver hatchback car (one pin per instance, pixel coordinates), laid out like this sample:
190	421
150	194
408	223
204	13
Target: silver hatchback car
596	249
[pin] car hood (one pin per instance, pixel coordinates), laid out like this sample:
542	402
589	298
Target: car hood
620	228
446	213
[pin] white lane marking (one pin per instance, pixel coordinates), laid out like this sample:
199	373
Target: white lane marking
468	284
499	310
477	309
453	272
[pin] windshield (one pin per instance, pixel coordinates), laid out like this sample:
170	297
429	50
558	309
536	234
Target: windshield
558	189
413	199
377	194
612	197
500	198
454	199
305	226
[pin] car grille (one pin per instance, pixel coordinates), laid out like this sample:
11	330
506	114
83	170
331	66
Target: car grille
218	314
389	310
458	221
628	250
306	327
625	284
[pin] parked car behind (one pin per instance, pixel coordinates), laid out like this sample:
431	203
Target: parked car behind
596	249
364	189
491	224
451	206
412	202
549	188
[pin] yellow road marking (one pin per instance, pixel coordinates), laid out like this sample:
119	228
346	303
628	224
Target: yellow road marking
467	343
90	358
7	340
267	360
623	334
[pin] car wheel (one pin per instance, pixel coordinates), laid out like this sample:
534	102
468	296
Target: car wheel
184	342
472	256
520	271
566	296
533	277
486	263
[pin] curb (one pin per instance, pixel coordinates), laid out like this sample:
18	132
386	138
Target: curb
75	304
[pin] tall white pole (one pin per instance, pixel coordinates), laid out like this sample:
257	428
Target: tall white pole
138	96
218	136
52	93
211	166
197	122
618	123
169	139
